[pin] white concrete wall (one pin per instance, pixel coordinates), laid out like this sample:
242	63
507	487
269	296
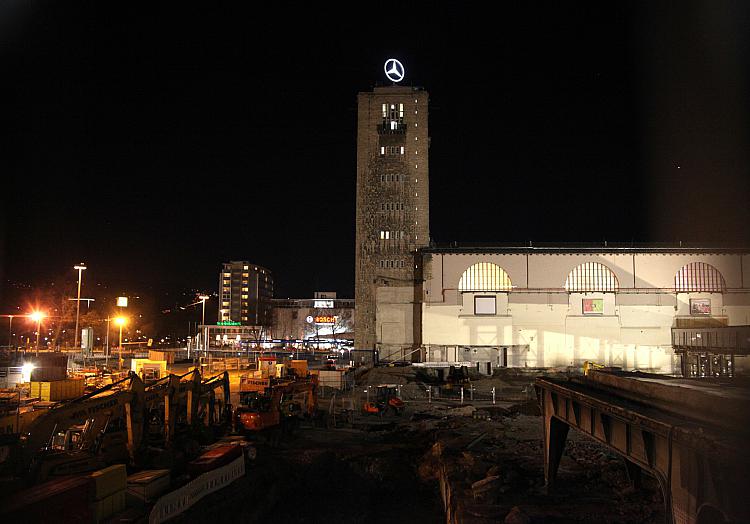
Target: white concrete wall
394	321
634	330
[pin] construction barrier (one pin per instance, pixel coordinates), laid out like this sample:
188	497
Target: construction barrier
174	503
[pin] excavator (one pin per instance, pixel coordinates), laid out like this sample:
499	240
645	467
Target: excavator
84	434
214	411
180	403
271	405
386	398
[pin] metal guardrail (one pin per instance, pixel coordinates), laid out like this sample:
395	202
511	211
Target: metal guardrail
732	339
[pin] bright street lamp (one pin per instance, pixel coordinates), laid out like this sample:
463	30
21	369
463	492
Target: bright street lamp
203	299
80	267
120	321
37	317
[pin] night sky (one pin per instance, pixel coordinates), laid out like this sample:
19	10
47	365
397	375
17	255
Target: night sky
155	143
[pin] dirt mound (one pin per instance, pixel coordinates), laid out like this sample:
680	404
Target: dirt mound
530	407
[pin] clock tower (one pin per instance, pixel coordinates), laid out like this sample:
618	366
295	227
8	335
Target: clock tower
392	217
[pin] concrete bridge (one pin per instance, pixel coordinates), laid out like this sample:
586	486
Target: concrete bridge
692	436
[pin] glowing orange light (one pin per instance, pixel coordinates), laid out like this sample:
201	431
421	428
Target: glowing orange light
37	316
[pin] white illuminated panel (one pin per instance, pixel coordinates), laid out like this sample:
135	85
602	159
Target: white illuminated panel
324	304
484	306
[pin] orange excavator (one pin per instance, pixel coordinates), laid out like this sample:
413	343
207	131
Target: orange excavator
386	398
271	405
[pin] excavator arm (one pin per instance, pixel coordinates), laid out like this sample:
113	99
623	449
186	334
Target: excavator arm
91	413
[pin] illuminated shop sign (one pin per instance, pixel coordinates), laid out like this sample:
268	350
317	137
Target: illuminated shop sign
325	319
593	306
324	304
228	323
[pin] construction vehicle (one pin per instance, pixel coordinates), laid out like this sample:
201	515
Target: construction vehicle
215	411
179	404
457	377
84	434
273	405
589	365
386	398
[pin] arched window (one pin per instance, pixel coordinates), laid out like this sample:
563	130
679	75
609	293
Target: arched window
591	276
485	276
699	276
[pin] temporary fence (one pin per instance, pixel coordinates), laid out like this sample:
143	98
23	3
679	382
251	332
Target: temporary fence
457	394
174	503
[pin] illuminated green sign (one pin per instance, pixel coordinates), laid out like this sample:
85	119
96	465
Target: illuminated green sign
227	323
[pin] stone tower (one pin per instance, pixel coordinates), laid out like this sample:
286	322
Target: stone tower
392	215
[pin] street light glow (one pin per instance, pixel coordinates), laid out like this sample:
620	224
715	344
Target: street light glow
37	316
121	321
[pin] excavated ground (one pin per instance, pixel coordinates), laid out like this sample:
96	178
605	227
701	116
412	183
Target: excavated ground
437	462
336	475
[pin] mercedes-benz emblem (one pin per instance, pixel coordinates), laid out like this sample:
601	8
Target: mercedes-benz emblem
394	70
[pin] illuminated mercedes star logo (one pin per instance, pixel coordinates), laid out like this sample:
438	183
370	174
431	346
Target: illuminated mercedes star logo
394	70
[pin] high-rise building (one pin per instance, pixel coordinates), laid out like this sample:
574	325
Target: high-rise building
392	219
245	292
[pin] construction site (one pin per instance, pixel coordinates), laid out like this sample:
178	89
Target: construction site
183	440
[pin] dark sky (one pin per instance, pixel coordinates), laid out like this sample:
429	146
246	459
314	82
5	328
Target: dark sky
154	143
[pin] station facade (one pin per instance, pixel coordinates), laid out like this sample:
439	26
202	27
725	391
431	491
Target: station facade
532	306
562	306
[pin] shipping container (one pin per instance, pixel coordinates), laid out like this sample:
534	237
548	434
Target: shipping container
57	389
146	486
48	367
109	480
62	500
167	356
102	510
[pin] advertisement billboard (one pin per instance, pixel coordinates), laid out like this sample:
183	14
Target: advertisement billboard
700	306
593	306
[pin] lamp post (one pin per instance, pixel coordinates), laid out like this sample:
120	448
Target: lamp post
10	331
203	299
120	321
37	317
80	267
106	348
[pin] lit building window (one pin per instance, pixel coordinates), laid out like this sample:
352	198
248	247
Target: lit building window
244	267
697	277
244	296
591	276
382	150
485	276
